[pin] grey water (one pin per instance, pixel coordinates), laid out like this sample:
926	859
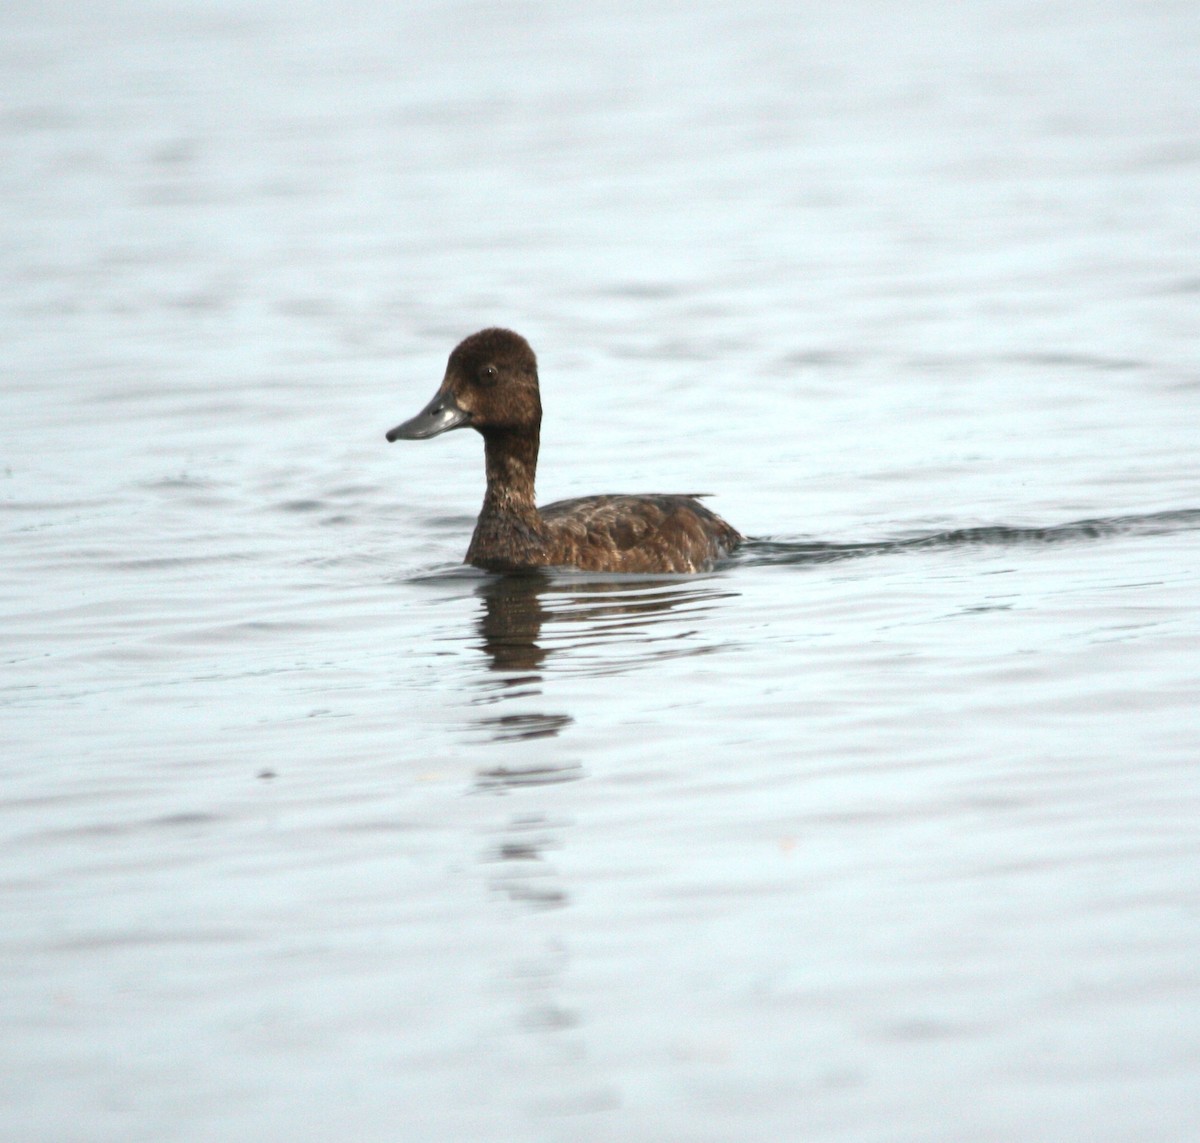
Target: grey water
886	829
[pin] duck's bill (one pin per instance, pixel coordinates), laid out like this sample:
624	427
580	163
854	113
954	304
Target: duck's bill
441	415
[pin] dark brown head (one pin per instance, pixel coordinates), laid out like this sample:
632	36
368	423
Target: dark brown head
491	385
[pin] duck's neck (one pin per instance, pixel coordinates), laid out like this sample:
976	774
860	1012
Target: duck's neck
511	464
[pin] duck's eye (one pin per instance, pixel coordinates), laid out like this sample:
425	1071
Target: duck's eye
488	375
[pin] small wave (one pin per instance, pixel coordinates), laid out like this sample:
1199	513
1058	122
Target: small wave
782	551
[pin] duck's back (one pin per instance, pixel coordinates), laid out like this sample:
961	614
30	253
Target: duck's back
654	533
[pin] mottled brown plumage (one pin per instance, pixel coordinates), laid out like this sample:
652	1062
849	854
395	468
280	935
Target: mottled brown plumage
491	385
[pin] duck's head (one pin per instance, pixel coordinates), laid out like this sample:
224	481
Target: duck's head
491	385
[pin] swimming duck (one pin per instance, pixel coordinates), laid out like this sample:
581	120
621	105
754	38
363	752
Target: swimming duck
491	385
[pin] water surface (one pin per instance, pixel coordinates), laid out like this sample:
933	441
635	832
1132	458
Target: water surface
886	829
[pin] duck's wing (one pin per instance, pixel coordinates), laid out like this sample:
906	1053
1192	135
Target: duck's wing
653	533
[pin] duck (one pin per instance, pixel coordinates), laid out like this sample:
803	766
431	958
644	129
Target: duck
491	386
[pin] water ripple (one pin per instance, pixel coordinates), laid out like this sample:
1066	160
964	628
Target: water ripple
783	551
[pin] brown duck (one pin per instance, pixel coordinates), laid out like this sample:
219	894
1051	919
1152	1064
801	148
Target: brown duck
491	385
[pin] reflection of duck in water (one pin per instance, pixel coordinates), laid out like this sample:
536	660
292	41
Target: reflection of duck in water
517	625
512	621
491	385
